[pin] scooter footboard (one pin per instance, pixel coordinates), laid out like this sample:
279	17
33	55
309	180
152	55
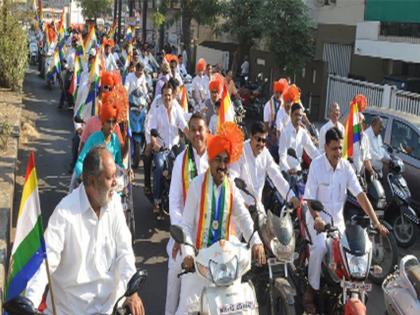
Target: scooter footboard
235	299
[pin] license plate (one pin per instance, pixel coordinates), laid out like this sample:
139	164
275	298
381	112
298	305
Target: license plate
357	286
236	307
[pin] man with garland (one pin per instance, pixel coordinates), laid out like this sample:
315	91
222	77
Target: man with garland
212	197
190	163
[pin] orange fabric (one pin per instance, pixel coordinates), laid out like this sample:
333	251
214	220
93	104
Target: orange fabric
171	57
107	78
229	139
215	85
292	94
201	65
282	85
108	111
361	102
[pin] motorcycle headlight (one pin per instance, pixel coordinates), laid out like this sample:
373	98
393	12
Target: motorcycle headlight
358	265
282	252
223	274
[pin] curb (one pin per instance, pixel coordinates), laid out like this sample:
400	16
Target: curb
8	160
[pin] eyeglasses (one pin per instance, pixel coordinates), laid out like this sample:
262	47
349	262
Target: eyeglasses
260	139
111	121
107	88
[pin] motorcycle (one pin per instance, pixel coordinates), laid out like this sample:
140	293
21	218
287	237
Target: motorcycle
33	53
385	250
137	115
251	94
240	113
402	288
345	267
275	281
124	188
222	264
399	213
21	305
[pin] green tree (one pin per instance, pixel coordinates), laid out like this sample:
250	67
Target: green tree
289	31
95	8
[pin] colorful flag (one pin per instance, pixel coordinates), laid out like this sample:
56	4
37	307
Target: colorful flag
226	112
60	27
90	40
75	79
126	66
184	99
55	65
28	250
40	9
353	131
111	32
129	34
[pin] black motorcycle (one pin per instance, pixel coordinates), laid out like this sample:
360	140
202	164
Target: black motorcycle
403	218
21	305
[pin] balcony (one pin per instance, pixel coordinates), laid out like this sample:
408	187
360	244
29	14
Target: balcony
388	41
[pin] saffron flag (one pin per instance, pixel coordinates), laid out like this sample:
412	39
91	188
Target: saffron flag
184	99
226	112
28	250
353	131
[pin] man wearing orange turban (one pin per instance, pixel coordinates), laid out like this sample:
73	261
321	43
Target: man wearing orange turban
291	95
200	84
223	149
208	106
110	62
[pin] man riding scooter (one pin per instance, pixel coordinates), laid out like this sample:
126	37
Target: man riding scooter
329	178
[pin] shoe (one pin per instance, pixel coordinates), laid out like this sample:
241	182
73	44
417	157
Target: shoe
309	301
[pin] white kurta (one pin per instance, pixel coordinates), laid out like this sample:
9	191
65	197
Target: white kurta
323	131
282	119
90	259
132	82
298	140
200	86
330	187
376	149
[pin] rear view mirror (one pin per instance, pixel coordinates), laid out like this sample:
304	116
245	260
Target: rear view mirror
292	152
316	205
20	305
239	182
135	282
177	234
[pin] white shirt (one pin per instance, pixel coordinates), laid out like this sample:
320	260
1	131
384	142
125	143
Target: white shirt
213	124
110	63
254	169
240	214
176	199
323	131
269	116
200	86
297	140
330	186
245	67
282	119
90	259
361	153
132	83
166	126
70	55
376	149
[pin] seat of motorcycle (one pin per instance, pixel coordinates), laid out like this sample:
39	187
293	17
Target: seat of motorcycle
413	274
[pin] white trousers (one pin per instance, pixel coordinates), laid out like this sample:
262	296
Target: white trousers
318	249
173	287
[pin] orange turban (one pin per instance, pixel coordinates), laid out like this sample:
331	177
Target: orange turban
292	94
108	111
361	102
108	42
201	65
110	78
229	139
280	85
215	85
170	57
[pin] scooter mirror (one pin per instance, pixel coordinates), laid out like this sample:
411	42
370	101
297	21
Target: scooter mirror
135	282
239	182
20	305
292	152
177	234
316	205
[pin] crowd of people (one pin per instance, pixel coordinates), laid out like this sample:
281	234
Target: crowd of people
87	239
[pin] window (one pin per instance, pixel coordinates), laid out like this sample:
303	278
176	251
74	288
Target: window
368	121
405	137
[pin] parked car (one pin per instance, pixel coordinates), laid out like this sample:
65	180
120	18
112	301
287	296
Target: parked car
402	131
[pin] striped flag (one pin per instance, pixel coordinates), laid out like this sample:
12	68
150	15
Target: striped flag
90	40
129	34
353	131
184	99
226	112
111	32
28	250
55	65
75	79
126	66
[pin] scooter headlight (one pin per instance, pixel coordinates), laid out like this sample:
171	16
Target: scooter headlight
282	252
358	265
223	274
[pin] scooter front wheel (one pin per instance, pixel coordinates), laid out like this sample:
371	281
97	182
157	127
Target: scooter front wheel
404	230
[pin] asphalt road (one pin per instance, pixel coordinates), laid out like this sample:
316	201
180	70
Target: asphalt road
53	153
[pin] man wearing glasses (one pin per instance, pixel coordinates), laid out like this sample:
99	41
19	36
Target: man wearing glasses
256	163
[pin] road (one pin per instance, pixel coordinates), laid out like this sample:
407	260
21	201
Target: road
53	152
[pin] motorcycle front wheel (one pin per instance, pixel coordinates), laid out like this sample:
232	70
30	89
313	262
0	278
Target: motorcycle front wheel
279	303
404	230
384	254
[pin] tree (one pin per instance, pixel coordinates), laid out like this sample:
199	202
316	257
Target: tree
95	8
242	19
289	31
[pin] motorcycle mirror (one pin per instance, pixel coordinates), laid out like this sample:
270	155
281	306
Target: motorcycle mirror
135	282
292	152
177	234
20	305
316	205
239	182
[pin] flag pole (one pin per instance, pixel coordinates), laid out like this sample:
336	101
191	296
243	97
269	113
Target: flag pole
50	284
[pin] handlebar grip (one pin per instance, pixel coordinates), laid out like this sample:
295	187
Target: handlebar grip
327	227
123	311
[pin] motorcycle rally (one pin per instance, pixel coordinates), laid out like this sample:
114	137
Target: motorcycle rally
209	169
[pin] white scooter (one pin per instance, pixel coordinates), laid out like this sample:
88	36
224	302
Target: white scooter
402	288
222	264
